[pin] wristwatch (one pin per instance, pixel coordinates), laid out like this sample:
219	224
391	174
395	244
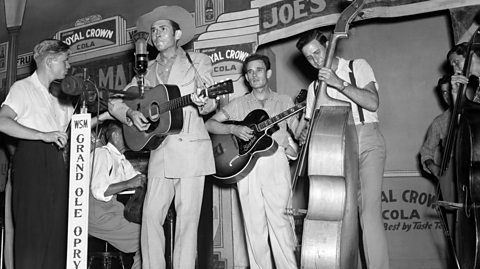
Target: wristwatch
344	85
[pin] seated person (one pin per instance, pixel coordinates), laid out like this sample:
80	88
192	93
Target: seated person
111	174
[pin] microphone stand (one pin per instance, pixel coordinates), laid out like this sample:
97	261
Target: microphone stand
83	109
141	59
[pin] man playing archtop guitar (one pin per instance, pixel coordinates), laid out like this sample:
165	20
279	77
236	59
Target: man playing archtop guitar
265	191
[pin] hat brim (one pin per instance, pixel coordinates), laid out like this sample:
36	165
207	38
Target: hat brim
173	13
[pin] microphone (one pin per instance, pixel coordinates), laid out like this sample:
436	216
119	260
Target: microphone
73	85
141	59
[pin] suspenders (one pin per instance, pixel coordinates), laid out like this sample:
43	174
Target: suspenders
354	83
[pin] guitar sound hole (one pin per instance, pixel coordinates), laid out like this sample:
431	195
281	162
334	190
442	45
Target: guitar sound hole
154	111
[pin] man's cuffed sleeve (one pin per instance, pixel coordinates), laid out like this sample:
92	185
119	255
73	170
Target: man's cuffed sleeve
118	109
100	173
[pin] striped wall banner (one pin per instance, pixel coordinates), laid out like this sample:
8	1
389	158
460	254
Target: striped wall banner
465	21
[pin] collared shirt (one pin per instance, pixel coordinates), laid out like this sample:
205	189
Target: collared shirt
275	104
36	108
363	75
202	78
169	159
435	139
110	166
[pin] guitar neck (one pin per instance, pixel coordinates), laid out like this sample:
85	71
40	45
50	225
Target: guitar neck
213	91
262	126
176	103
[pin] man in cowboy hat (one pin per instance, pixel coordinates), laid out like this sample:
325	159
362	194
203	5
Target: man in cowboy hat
177	168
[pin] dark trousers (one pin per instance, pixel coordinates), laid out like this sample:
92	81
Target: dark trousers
39	206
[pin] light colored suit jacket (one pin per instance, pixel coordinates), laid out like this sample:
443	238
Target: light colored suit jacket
190	152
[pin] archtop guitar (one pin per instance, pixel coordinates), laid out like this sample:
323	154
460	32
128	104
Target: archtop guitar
234	157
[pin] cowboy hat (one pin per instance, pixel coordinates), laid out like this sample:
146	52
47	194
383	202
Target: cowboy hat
172	13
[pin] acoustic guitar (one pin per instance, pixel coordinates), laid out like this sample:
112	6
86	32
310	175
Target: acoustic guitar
234	157
161	106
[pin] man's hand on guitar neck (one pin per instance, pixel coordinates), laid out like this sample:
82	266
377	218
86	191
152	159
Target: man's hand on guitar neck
137	119
199	99
205	105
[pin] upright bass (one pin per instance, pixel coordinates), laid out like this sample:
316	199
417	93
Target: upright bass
463	143
330	229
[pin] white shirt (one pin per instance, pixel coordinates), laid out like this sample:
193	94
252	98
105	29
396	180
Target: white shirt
110	167
36	108
363	75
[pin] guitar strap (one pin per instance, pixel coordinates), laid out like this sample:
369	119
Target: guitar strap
354	83
205	87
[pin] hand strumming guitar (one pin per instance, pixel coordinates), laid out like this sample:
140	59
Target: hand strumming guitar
242	132
138	119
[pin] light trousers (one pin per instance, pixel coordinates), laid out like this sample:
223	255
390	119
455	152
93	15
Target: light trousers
372	155
106	222
188	195
264	195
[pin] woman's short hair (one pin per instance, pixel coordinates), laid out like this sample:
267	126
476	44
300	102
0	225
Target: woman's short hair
48	47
